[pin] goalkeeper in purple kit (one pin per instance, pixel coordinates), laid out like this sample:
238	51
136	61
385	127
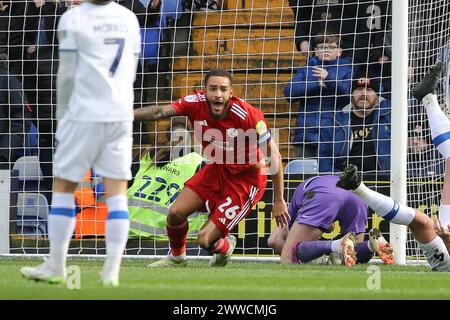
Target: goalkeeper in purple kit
316	205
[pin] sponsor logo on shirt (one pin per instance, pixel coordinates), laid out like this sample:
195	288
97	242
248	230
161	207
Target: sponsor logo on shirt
191	98
232	132
224	145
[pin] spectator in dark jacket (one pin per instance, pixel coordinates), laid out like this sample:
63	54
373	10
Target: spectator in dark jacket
147	15
17	37
44	16
18	40
362	25
13	114
313	17
361	132
364	29
322	86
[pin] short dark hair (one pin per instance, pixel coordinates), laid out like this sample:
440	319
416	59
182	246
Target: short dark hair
323	37
218	73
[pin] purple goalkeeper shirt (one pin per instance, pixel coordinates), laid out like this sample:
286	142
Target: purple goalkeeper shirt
318	202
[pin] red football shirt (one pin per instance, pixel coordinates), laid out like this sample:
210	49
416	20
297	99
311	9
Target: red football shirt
234	141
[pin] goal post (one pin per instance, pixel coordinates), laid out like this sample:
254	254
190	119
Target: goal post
399	127
4	211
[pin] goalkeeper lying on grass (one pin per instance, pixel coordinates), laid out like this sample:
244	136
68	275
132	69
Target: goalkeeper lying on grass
316	205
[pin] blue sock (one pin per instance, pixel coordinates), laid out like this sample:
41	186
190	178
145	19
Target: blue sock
363	253
310	250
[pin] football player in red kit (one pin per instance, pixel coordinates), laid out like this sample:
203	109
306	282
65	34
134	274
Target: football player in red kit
236	140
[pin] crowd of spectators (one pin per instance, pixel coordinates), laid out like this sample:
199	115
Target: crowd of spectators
29	43
337	126
14	117
363	25
345	41
321	86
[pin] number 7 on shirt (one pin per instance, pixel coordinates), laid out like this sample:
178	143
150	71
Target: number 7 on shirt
120	42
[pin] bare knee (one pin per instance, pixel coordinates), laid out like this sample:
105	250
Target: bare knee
422	222
422	228
276	243
272	241
277	239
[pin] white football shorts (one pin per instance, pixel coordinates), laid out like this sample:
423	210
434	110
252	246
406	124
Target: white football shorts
104	146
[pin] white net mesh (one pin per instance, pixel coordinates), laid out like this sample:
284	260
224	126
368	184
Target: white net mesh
429	41
263	43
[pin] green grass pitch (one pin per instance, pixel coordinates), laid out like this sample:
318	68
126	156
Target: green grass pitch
238	280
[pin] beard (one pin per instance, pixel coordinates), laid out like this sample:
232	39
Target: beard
222	115
364	103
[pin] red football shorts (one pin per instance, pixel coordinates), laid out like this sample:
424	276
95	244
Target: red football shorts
228	198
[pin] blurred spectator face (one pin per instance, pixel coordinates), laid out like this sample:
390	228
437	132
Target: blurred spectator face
218	95
417	145
364	98
328	51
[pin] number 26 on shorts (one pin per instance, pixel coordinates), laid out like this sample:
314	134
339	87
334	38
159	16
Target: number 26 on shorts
231	212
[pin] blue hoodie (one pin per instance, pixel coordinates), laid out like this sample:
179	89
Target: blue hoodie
318	102
336	138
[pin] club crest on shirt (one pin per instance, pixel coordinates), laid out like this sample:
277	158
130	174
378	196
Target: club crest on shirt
191	98
261	127
232	132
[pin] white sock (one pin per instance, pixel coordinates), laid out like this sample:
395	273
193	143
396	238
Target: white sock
385	206
336	245
61	224
444	214
436	254
117	227
439	124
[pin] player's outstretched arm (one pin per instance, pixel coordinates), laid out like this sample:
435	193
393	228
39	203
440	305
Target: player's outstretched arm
154	112
279	212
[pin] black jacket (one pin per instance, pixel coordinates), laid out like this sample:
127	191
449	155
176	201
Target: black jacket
13	117
146	16
362	24
16	31
50	13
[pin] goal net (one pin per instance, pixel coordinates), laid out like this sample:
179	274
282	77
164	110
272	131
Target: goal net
429	42
301	81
